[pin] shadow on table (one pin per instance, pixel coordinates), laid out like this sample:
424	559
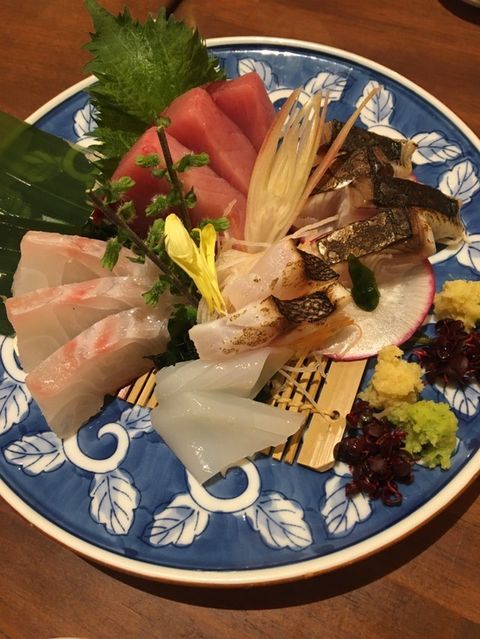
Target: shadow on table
462	10
316	588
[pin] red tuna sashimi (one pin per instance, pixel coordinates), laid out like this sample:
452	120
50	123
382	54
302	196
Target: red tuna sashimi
215	196
245	100
200	124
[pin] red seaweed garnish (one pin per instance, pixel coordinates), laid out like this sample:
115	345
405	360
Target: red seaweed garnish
453	356
375	451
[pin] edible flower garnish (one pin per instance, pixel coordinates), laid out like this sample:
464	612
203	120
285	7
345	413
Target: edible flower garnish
197	261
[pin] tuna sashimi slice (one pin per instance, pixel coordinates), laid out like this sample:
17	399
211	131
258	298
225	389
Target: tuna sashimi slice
44	320
51	259
201	125
215	196
245	101
70	385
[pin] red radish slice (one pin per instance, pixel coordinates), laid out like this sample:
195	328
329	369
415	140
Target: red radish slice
404	303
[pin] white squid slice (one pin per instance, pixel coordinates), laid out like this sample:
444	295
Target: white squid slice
243	375
209	431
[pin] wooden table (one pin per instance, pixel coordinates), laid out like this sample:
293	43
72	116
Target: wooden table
429	582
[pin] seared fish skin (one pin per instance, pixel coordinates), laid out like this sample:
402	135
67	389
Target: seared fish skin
391	191
359	163
309	308
440	211
367	236
316	268
398	152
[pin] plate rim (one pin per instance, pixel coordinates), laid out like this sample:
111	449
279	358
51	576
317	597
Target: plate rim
306	568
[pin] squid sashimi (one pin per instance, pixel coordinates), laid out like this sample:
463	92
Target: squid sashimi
70	385
46	319
198	123
244	375
283	271
245	100
215	196
51	259
209	431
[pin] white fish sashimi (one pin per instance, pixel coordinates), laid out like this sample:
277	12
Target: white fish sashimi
252	327
46	319
51	259
278	271
243	375
70	385
209	431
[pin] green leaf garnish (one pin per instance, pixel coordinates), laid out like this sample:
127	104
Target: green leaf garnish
180	348
112	253
219	223
148	161
42	188
365	291
141	68
152	296
191	160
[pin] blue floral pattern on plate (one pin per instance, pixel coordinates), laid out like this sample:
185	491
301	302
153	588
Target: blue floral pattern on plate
117	486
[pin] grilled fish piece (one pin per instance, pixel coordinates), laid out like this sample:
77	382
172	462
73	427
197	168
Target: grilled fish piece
283	271
440	211
347	187
347	168
392	227
260	323
397	152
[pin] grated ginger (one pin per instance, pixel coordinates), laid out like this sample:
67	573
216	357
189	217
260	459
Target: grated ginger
460	300
394	380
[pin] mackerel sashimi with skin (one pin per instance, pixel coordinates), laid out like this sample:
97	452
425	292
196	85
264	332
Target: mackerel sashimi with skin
246	102
70	385
215	196
51	259
198	123
44	320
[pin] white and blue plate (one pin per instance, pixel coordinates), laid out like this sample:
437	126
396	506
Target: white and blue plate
116	494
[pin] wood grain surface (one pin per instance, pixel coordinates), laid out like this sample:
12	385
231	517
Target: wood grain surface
427	584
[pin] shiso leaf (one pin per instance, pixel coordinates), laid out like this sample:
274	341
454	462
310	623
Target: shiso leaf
140	69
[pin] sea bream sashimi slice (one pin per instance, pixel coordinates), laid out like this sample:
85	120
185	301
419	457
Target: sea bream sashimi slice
283	271
46	319
245	101
51	259
70	385
215	197
198	123
260	323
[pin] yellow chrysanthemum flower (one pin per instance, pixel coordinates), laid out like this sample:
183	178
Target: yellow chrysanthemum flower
197	262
